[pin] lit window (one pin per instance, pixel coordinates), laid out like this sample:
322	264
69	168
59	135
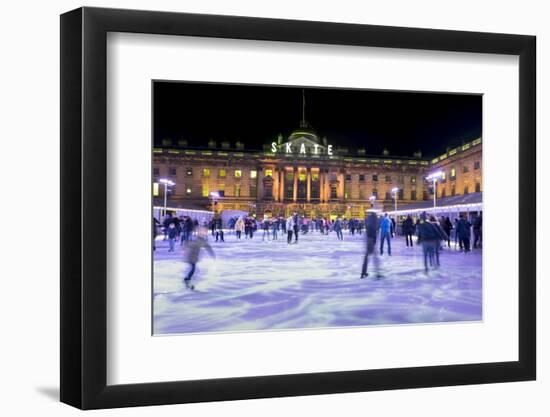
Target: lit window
188	191
189	172
155	189
253	174
238	173
413	179
302	177
269	173
205	190
206	172
314	176
453	172
221	173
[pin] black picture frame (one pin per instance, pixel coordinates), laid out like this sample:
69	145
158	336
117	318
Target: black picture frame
84	207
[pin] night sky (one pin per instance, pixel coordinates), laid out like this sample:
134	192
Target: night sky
402	122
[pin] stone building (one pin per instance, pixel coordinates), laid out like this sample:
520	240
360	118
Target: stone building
308	174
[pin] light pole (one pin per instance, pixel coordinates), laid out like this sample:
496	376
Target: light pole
434	177
395	190
166	184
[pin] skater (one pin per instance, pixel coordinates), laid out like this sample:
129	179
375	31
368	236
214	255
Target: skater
172	236
371	230
156	224
290	229
463	231
166	223
338	229
408	230
275	227
385	233
477	231
265	228
428	237
447	227
239	227
218	228
191	252
296	226
392	227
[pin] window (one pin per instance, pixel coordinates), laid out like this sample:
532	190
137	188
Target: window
453	174
172	171
375	177
348	177
413	179
478	187
269	173
205	190
253	190
314	176
253	174
155	189
237	190
361	177
189	172
388	195
206	173
466	189
333	191
156	171
413	195
400	179
238	173
188	191
465	169
400	194
221	173
302	176
453	190
388	178
477	165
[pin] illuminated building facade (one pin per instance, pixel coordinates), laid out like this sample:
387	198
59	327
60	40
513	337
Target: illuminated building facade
307	174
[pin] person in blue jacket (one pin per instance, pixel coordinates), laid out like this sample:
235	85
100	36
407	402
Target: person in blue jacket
385	233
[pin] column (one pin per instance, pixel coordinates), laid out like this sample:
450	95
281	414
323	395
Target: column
321	182
340	185
260	187
275	191
282	184
295	185
308	184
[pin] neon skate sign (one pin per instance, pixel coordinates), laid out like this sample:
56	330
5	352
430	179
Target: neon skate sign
288	149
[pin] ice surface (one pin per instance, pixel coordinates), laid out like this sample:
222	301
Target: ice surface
267	285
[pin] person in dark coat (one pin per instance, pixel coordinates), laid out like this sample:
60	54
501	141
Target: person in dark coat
172	236
430	239
447	226
296	226
371	231
156	224
219	229
408	230
338	229
463	230
478	237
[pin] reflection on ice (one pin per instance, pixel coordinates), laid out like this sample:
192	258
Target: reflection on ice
255	285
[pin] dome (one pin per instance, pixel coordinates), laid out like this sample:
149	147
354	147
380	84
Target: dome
305	132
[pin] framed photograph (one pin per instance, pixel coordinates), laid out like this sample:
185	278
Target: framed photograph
259	208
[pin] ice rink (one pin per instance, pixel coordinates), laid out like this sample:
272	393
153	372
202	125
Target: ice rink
269	285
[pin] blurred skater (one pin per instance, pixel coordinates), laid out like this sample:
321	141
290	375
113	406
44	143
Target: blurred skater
371	231
191	253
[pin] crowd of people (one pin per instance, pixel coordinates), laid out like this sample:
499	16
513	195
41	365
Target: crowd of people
431	234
